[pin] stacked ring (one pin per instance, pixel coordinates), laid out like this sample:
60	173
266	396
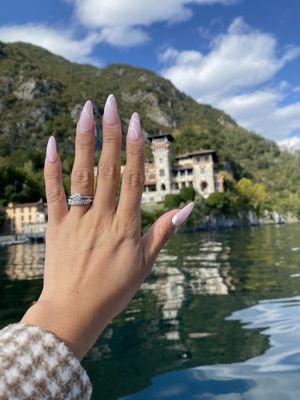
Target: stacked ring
78	199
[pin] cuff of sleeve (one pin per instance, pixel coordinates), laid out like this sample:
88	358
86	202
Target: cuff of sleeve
35	364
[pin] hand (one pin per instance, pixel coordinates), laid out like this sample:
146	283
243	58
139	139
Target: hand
96	257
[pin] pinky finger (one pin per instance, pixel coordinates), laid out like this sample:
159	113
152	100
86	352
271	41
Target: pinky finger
159	233
56	198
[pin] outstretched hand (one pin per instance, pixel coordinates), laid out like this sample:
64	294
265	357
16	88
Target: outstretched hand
96	257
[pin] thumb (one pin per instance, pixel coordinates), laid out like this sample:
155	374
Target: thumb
159	233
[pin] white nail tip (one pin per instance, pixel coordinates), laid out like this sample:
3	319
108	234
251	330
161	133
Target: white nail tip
182	214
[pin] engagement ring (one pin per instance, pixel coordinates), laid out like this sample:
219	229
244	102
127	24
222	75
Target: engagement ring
78	199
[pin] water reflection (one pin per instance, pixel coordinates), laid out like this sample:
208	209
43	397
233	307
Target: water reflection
273	375
25	262
178	321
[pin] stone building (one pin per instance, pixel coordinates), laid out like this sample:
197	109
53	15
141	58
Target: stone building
195	169
22	217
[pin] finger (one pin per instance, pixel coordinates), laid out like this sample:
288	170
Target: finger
110	160
82	178
56	198
134	174
159	233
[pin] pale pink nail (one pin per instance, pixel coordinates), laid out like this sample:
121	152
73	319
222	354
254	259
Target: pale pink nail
182	214
110	114
86	120
51	151
134	129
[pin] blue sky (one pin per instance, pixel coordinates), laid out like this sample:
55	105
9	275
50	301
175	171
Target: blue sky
242	56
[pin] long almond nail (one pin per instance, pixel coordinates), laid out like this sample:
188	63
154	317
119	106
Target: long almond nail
182	214
134	129
86	120
110	114
51	151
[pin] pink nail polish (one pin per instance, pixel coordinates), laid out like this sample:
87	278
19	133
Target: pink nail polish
86	120
134	129
51	151
182	214
110	114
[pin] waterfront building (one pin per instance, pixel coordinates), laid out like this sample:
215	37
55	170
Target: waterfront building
26	217
195	169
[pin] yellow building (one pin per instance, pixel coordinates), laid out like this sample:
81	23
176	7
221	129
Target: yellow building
22	215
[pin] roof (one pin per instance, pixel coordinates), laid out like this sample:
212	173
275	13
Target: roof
23	205
198	153
168	136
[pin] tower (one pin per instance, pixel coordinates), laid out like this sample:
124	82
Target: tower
161	150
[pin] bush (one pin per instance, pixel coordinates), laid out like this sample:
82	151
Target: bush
187	194
172	201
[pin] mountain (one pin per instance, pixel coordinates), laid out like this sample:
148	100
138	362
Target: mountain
41	94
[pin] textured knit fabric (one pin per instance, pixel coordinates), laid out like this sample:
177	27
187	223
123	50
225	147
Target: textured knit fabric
35	364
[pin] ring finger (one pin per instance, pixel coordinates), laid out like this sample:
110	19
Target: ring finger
82	178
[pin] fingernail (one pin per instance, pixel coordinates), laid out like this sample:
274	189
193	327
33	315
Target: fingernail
86	120
110	114
134	129
51	151
182	214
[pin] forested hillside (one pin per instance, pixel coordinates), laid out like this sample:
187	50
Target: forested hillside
41	94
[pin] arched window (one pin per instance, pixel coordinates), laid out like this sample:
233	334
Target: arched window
203	186
163	187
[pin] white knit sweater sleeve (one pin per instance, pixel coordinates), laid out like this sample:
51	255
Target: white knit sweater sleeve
35	364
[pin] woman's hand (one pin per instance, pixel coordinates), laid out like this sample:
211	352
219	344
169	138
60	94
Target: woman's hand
96	257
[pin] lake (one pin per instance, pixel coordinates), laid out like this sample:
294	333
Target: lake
219	318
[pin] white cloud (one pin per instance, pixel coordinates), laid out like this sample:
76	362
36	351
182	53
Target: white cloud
290	144
61	42
235	76
121	23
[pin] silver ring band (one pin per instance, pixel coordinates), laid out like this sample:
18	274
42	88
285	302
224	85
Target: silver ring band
78	199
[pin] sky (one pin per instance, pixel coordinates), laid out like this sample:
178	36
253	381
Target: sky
241	56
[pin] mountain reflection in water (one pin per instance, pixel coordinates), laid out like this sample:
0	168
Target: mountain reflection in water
182	336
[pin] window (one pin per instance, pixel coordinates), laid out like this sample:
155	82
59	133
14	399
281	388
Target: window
163	187
203	186
190	171
175	186
161	172
152	188
202	171
183	184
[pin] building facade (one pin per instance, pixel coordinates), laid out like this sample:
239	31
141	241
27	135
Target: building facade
26	217
195	169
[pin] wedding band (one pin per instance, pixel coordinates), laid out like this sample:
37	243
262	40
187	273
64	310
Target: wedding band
78	199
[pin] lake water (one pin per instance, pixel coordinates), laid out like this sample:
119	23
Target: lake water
218	319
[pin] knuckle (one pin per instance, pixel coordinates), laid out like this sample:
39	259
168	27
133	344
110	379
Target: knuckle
136	150
128	226
52	174
82	176
54	194
134	180
107	171
111	134
84	142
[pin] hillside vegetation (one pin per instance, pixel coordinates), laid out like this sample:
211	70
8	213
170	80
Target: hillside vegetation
41	94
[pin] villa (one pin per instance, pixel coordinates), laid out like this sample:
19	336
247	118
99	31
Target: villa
195	169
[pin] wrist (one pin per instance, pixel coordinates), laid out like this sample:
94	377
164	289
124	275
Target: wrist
66	323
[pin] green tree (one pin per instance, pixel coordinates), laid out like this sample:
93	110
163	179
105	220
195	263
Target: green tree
187	194
172	201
